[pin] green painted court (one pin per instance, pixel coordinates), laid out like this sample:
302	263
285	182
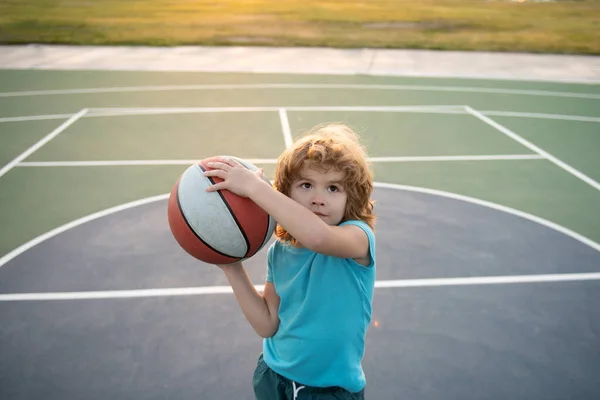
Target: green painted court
140	131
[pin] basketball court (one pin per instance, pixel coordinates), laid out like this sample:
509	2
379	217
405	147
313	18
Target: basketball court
488	231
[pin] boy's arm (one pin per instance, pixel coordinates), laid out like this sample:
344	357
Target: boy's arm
312	232
348	241
260	310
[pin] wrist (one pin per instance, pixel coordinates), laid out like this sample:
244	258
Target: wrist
256	187
230	268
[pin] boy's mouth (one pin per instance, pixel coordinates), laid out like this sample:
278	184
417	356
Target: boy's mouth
320	214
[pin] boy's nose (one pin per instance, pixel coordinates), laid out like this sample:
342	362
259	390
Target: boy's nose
318	202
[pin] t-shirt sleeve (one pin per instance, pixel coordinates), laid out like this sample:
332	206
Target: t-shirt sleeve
270	262
370	235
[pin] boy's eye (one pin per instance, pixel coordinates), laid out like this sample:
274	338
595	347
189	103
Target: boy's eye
333	188
305	185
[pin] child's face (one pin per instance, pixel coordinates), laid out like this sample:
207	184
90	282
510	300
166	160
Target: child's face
322	192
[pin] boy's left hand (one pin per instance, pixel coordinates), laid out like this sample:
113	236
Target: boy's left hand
236	178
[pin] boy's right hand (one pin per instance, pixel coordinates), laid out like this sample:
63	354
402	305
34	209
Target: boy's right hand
236	177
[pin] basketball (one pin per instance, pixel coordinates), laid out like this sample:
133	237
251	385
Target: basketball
216	227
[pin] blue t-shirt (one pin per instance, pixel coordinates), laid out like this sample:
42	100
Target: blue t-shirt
324	313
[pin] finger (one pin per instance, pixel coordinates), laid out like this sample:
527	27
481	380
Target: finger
219	173
215	187
260	172
211	159
233	162
227	160
219	165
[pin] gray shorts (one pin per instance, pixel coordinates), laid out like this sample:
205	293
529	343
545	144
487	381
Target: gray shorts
269	385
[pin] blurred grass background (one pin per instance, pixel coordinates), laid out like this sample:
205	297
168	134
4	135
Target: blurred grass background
493	25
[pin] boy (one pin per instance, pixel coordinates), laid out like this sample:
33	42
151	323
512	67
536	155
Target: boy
316	304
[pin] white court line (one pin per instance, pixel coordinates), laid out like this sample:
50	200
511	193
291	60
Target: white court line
285	128
127	163
535	148
103	112
207	290
42	142
563	117
111	163
456	107
35	118
435	109
496	157
325	86
115	112
488	280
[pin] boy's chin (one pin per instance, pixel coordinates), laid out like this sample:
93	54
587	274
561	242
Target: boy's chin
325	219
331	223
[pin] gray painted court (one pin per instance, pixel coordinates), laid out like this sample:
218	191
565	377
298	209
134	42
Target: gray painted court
518	341
488	234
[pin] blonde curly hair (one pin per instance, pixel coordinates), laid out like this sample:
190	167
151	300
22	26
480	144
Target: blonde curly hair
330	146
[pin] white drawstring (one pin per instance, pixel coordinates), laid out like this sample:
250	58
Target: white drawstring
296	390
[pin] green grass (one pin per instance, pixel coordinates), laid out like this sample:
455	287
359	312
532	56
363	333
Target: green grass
551	27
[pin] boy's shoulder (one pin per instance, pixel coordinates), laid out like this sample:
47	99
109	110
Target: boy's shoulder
355	222
361	224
